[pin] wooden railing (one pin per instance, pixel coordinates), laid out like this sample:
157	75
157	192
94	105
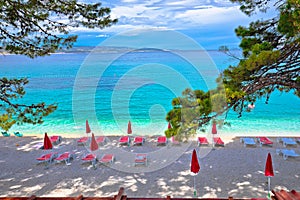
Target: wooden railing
280	195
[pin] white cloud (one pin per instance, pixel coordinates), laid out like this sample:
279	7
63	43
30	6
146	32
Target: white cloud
129	1
176	14
210	16
180	2
207	21
103	35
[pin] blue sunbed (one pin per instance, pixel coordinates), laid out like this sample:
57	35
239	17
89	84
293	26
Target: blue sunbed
287	153
18	134
248	141
5	134
288	141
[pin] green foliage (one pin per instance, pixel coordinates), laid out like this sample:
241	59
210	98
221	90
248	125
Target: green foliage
194	110
289	23
6	121
250	7
37	28
14	113
271	61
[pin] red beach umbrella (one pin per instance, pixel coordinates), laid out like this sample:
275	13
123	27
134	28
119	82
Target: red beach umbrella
269	166
195	168
169	125
129	130
47	142
94	144
87	127
269	172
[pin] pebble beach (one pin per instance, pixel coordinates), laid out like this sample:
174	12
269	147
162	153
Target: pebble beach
232	170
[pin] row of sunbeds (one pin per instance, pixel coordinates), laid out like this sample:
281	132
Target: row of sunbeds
126	140
68	156
17	134
285	153
161	140
140	158
252	141
266	141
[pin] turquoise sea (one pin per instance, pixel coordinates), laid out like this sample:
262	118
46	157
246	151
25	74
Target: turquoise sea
137	86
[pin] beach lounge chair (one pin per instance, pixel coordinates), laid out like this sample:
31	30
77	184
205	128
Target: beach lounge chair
174	141
90	158
288	141
101	140
107	159
124	140
18	134
67	156
47	157
5	134
218	142
162	140
138	140
55	139
287	153
248	142
264	141
202	141
141	159
82	140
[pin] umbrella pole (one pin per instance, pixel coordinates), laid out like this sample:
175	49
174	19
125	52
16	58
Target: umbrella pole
195	191
269	187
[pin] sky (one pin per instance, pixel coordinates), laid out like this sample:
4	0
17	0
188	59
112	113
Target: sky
210	22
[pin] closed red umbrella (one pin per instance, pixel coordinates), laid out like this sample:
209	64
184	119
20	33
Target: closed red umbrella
87	127
47	146
214	129
269	166
269	172
195	168
94	144
129	130
47	142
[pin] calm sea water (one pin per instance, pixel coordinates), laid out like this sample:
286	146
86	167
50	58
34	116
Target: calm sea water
137	86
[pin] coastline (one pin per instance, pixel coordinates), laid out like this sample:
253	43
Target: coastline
222	133
232	170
